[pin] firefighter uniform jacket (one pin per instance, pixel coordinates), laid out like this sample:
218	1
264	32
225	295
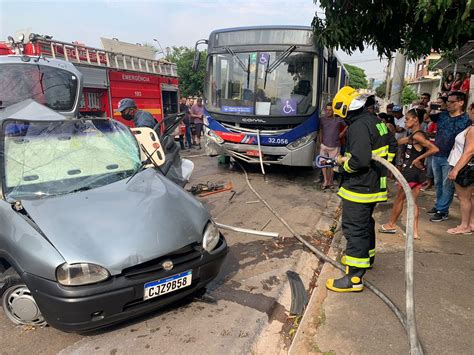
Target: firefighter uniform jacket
363	179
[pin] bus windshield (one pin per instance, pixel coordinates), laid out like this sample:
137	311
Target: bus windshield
53	87
261	83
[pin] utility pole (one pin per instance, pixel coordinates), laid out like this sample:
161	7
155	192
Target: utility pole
388	79
398	78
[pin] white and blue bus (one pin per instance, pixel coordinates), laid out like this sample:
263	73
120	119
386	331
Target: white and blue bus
265	88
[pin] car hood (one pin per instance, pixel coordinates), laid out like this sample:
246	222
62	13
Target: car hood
121	225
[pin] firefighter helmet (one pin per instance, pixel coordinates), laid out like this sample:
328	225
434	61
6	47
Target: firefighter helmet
348	99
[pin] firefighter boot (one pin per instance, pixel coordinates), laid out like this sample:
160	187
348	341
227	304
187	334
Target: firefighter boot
350	282
372	260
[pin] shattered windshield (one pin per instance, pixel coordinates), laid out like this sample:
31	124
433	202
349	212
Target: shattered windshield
44	159
53	87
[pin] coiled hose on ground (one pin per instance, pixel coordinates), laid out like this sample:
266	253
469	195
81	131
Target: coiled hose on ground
408	321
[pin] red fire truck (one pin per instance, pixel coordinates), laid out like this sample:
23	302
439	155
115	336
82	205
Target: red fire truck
111	76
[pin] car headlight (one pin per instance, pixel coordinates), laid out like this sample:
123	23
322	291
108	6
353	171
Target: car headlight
302	141
80	274
211	236
214	137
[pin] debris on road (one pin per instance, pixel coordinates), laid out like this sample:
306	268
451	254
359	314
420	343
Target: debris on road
299	297
266	224
248	231
210	188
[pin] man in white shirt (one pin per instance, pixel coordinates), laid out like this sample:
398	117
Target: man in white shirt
400	131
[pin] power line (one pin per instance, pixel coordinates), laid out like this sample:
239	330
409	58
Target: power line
365	61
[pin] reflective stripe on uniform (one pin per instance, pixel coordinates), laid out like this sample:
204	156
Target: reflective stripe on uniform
383	182
362	198
347	167
372	253
357	262
381	152
390	156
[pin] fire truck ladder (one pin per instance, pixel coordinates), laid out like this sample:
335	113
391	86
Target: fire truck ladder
76	53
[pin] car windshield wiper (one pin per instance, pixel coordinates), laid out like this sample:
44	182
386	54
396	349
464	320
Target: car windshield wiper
242	64
145	162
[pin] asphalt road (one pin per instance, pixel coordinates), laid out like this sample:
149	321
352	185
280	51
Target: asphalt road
252	294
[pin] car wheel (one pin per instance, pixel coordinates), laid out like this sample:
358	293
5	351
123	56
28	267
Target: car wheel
17	301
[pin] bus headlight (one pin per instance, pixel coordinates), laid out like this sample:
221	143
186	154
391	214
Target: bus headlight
302	141
214	137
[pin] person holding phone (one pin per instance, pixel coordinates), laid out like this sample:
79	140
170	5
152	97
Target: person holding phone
450	124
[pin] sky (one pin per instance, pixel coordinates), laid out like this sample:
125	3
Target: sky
172	22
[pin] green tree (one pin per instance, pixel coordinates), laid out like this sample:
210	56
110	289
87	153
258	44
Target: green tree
357	77
413	26
380	90
408	95
190	83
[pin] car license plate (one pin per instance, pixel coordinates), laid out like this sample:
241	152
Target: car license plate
253	153
167	285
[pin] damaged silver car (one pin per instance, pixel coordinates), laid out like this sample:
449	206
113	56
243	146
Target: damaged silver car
92	234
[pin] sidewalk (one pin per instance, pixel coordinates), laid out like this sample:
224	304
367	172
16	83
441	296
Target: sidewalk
360	323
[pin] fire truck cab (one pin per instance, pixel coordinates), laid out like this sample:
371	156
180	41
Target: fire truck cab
109	76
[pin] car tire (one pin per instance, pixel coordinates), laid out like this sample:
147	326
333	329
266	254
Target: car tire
17	301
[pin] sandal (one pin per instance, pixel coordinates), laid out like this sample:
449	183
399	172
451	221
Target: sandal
382	229
458	231
324	187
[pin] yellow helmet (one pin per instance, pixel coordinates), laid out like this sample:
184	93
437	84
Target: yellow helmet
348	99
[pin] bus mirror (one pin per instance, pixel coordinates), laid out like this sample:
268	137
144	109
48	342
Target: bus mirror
196	60
332	67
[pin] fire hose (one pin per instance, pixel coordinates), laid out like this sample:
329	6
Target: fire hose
408	322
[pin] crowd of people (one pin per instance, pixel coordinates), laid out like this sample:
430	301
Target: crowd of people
191	129
435	147
459	82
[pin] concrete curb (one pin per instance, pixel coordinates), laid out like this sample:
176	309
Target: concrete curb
305	266
303	340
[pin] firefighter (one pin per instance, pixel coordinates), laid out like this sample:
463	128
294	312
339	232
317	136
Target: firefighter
128	109
363	184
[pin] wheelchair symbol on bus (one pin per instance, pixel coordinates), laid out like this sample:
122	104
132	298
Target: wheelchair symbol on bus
288	108
263	59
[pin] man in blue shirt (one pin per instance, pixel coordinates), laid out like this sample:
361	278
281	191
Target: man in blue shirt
450	123
128	109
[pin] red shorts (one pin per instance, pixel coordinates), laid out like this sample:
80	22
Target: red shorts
411	184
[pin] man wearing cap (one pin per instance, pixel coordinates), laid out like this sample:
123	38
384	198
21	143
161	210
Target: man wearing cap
128	109
400	131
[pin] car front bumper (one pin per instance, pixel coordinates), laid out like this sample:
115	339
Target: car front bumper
90	307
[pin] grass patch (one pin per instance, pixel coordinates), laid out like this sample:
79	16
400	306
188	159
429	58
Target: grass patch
315	348
321	320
